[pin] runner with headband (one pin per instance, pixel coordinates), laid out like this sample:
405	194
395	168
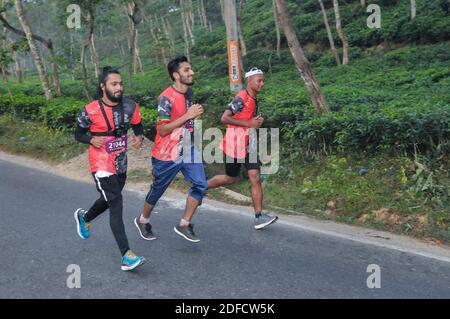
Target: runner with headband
239	144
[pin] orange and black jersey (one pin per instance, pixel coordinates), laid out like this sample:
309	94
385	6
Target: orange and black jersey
108	122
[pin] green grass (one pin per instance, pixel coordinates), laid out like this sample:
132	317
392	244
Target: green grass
415	203
36	140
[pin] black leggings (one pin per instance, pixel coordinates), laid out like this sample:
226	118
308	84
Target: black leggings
110	189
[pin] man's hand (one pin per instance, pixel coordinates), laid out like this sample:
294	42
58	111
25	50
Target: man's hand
97	141
138	140
194	111
256	122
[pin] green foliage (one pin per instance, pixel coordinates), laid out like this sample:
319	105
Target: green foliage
358	185
61	112
35	139
21	106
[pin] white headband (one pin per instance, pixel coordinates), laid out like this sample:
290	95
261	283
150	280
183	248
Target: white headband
253	71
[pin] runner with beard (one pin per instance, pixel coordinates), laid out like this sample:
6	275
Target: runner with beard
174	150
104	124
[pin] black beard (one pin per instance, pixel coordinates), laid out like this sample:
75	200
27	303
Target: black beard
186	83
112	98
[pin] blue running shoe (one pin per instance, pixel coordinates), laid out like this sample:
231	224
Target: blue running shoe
83	228
131	261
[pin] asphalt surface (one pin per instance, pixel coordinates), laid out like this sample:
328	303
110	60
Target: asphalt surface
38	242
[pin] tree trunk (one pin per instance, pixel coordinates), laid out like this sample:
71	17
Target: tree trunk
202	14
303	66
185	35
240	29
341	33
4	75
330	36
131	44
234	54
169	34
222	11
363	3
92	57
87	42
186	10
277	28
121	50
95	60
191	17
48	44
72	48
155	32
4	46
413	9
54	67
138	61
17	68
34	51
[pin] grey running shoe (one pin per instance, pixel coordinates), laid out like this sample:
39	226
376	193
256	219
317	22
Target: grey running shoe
187	232
145	230
264	220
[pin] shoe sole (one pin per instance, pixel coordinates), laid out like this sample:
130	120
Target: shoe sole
140	233
78	223
273	220
185	237
140	263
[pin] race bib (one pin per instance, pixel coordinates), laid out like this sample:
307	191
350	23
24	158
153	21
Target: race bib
114	144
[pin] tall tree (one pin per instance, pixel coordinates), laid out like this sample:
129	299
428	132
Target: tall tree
413	9
187	16
85	46
241	29
18	73
330	36
137	55
155	33
341	33
202	14
191	18
185	30
303	66
5	53
222	9
34	51
169	34
95	59
134	15
234	54
48	43
277	27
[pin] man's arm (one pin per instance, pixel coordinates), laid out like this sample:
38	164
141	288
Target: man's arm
235	107
227	118
81	135
82	127
164	125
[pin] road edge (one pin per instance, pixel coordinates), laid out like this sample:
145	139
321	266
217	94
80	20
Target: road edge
354	233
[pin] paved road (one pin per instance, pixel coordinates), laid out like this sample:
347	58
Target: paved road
38	241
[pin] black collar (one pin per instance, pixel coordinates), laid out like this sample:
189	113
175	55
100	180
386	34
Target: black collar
104	103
